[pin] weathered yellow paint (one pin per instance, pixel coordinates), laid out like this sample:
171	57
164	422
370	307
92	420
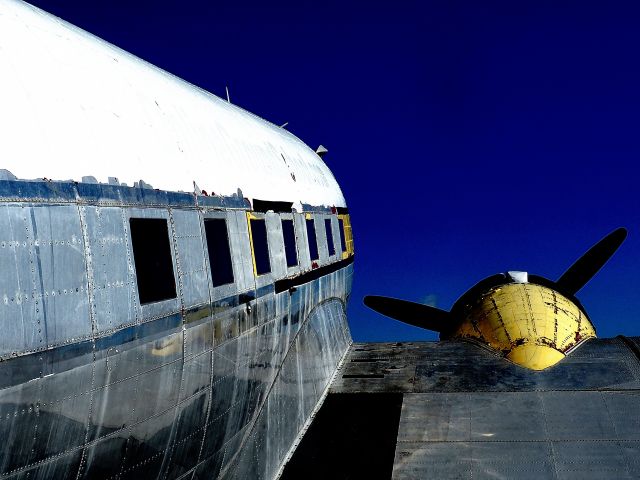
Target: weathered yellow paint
348	235
532	325
251	216
535	357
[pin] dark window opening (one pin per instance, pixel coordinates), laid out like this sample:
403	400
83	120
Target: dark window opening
219	251
313	241
260	246
329	231
152	258
289	236
266	205
343	242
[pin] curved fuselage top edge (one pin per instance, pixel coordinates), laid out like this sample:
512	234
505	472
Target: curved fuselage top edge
77	106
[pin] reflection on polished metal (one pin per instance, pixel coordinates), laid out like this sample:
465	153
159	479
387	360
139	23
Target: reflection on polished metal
206	379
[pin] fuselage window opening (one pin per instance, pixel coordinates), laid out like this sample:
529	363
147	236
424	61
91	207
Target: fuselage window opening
152	259
313	241
289	236
219	251
343	241
329	232
260	245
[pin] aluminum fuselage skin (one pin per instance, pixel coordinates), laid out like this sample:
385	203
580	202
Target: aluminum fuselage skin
218	382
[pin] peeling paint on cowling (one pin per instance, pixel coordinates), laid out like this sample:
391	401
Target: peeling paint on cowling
532	325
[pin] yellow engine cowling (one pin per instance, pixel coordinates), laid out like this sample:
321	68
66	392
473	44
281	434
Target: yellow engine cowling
532	325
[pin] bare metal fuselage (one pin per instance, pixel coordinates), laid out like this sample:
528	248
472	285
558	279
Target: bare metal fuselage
219	381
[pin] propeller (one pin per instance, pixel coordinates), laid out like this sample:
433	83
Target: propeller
571	281
590	263
416	314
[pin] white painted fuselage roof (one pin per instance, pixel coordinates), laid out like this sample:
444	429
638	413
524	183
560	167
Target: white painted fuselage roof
72	105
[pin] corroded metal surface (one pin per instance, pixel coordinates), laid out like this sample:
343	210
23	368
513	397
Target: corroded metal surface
469	413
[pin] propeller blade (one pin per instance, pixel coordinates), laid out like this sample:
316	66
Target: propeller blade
588	264
416	314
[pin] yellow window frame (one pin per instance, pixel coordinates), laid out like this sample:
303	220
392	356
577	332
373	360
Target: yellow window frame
252	216
348	234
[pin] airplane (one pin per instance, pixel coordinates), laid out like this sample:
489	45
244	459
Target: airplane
174	275
174	270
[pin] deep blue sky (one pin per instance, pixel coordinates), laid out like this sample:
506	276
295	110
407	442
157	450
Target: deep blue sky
468	139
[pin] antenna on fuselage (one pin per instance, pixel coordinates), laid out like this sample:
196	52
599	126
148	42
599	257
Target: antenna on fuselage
228	97
321	151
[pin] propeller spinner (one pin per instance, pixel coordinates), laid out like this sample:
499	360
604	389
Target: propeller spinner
532	321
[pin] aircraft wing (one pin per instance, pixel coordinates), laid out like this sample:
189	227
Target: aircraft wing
453	409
